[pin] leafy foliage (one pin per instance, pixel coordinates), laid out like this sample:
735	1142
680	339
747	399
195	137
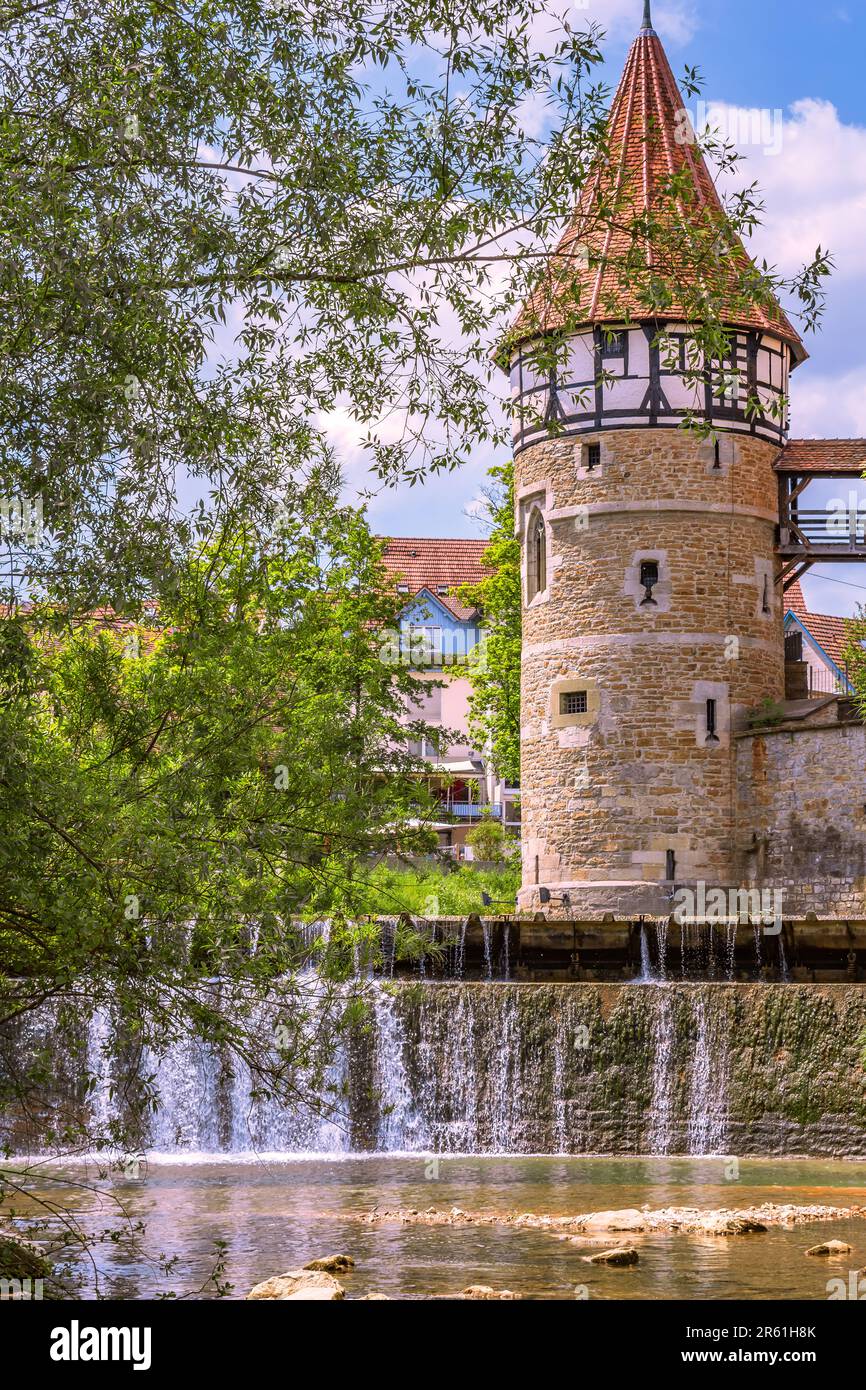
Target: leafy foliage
489	841
434	893
172	794
229	224
494	707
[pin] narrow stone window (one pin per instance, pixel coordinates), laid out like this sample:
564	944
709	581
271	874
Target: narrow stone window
573	702
670	866
593	456
766	606
717	455
536	558
712	721
649	578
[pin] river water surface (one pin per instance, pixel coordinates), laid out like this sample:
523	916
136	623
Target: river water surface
276	1214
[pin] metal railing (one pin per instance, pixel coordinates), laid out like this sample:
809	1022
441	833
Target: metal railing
823	681
472	810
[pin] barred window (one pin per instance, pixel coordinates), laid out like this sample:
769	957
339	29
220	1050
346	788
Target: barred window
573	702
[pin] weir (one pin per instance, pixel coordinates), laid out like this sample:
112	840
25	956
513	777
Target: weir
543	949
494	1067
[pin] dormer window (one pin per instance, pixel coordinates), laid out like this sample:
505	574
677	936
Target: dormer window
442	589
402	588
536	557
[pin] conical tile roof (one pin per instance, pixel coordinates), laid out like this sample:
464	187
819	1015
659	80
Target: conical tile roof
653	172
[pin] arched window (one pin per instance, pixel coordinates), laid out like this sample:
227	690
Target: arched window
536	557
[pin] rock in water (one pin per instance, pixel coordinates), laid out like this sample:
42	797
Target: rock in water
830	1247
332	1264
622	1256
299	1284
719	1224
628	1220
479	1291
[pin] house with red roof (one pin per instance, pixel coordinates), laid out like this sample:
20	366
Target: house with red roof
441	637
821	642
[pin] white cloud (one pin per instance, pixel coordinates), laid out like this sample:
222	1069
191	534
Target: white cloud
825	407
811	169
674	20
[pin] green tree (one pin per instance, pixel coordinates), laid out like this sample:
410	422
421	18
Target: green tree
489	841
494	706
239	760
226	222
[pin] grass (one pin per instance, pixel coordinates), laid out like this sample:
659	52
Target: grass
432	893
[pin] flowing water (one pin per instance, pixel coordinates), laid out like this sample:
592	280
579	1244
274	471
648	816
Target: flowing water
491	1067
464	1093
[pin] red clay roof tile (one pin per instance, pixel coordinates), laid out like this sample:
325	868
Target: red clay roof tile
646	150
847	456
434	564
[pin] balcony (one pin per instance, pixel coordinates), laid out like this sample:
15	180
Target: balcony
823	534
471	810
833	533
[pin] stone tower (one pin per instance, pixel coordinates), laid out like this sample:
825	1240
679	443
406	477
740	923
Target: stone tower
652	612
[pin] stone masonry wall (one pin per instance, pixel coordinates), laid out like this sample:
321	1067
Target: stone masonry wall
802	817
605	799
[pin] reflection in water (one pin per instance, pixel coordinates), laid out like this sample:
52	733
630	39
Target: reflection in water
277	1215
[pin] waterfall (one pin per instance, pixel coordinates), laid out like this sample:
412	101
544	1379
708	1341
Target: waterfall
663	1032
494	1067
707	1107
646	967
488	956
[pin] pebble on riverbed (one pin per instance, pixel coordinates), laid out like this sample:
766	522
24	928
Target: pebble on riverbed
680	1220
478	1291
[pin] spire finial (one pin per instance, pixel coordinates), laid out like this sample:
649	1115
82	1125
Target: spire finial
647	16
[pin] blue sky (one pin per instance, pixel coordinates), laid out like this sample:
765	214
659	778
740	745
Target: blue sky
799	67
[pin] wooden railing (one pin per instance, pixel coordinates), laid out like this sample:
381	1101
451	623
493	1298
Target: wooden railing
826	529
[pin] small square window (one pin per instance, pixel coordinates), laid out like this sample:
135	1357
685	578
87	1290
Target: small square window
402	588
613	345
593	456
573	702
442	588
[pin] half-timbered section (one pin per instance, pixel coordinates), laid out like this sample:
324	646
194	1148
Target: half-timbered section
646	376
